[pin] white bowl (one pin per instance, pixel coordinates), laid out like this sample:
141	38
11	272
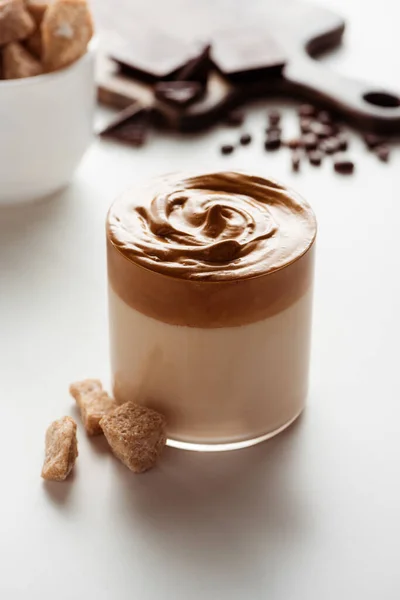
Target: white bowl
46	124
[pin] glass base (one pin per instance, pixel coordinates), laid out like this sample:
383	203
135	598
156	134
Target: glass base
196	447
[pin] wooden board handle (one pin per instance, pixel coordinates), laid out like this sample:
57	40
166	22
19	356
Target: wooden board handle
359	102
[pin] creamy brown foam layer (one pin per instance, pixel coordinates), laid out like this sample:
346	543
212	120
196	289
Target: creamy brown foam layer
217	250
216	227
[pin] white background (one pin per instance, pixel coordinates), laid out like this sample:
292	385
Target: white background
310	515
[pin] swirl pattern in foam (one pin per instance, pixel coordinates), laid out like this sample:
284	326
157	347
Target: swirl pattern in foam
220	226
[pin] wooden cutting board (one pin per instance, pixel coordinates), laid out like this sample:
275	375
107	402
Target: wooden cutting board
300	30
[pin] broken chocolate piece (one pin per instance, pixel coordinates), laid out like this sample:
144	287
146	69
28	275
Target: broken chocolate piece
150	55
197	69
245	55
178	93
130	125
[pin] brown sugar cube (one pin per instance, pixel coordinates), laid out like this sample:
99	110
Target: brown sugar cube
82	388
19	63
15	21
34	44
61	449
66	31
93	407
136	435
37	8
93	402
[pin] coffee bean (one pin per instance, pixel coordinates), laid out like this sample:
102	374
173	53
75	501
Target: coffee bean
305	125
343	166
310	141
324	117
272	129
315	158
343	141
372	140
336	128
227	149
329	146
274	117
235	118
382	152
293	143
273	142
296	158
307	110
245	139
322	131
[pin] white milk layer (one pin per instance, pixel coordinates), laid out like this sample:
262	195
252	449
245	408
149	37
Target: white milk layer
215	386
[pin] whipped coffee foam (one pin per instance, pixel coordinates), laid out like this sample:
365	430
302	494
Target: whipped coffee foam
216	227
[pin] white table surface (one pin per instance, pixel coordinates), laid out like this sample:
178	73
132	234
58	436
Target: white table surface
310	515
